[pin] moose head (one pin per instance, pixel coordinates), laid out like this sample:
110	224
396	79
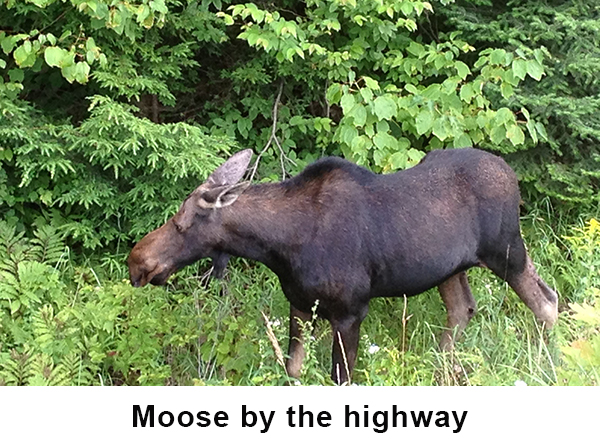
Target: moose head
194	231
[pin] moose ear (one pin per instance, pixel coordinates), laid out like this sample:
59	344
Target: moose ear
218	197
232	170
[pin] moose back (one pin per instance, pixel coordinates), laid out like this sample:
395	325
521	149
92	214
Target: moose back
340	234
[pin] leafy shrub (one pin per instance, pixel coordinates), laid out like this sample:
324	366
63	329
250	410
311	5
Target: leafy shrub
396	95
565	100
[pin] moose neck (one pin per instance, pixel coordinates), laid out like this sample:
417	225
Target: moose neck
265	224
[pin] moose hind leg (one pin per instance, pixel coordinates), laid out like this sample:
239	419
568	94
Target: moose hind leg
460	306
534	292
510	262
296	353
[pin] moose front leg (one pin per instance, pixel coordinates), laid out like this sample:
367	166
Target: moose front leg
345	346
460	306
293	364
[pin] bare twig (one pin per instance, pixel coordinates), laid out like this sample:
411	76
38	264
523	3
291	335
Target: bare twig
327	105
341	343
274	342
273	137
53	22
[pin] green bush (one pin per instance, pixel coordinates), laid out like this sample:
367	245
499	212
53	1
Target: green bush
566	100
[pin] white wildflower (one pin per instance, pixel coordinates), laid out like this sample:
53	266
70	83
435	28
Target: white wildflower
374	348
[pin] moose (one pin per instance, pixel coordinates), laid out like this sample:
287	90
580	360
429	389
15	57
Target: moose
340	234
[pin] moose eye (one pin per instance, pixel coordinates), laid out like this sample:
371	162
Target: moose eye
178	227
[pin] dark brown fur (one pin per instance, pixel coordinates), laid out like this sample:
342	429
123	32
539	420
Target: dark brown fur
339	234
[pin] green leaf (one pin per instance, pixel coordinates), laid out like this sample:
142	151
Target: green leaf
506	90
90	44
407	8
497	56
467	92
504	115
424	121
414	156
159	5
54	56
482	120
498	134
8	43
385	140
334	93
379	156
371	83
90	56
416	49
22	55
347	102
384	107
383	127
535	69
366	94
541	130
439	128
462	69
463	140
14	306
510	78
68	72
515	134
360	145
82	71
411	89
532	132
16	75
398	160
348	133
359	113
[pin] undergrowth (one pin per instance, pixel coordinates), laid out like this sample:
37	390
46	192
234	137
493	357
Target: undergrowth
68	321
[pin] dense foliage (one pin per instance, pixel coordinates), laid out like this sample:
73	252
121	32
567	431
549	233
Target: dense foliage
566	100
357	78
112	111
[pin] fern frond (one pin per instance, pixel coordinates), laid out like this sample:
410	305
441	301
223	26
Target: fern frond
16	369
50	246
72	371
13	248
43	327
42	368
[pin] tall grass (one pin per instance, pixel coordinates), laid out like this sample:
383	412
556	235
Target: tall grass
195	331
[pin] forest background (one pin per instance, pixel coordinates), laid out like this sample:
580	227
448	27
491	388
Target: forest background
112	111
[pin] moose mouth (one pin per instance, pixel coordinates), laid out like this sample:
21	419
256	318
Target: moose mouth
155	277
161	278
